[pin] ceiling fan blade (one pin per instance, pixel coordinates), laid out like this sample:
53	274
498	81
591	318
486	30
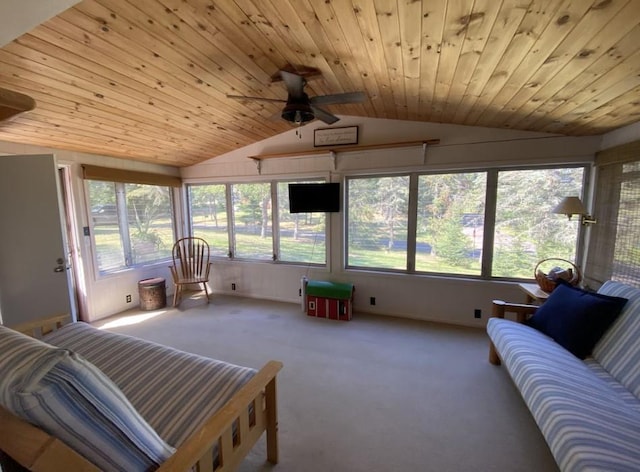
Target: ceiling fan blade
325	116
244	97
337	98
13	103
294	83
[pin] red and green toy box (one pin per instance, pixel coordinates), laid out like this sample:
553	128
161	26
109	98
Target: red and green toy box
329	299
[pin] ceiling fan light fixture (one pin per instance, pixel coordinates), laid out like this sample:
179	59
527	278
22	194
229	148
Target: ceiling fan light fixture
297	113
301	109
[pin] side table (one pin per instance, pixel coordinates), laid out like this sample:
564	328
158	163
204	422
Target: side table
534	293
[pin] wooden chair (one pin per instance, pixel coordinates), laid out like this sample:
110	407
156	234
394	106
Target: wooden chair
190	265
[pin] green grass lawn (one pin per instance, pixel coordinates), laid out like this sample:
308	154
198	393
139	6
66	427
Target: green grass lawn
253	246
390	259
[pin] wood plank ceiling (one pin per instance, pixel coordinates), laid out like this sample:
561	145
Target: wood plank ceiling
148	79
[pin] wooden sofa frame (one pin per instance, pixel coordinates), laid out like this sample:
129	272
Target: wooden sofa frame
500	308
38	451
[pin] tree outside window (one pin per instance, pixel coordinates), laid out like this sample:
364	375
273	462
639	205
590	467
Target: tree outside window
526	231
209	221
377	223
450	222
252	221
132	224
448	214
302	235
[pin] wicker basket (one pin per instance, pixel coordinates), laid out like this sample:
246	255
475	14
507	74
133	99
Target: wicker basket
547	282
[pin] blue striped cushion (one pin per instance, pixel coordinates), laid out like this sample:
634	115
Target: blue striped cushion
71	399
588	425
625	395
618	351
173	390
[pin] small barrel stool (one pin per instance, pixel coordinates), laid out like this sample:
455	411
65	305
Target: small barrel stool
153	293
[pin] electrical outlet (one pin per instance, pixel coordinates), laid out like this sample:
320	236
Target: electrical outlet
128	298
233	286
299	292
477	313
372	300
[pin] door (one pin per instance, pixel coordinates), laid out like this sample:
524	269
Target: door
34	275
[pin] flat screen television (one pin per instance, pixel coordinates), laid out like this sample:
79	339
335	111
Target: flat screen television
316	197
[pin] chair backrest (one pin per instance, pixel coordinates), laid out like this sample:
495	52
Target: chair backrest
191	258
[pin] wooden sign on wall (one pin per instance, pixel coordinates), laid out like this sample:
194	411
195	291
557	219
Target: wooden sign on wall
335	136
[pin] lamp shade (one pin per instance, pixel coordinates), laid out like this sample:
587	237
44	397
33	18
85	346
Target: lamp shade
570	206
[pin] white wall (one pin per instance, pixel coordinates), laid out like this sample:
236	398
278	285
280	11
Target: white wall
423	297
106	295
20	16
460	147
620	136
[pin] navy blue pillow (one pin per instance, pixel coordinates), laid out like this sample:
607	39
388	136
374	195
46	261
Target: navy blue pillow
576	319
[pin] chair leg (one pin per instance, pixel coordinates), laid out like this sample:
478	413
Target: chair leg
176	295
206	290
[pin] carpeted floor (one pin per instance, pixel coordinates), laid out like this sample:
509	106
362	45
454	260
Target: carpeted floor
373	394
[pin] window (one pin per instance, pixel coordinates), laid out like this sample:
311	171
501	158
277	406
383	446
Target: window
626	255
492	223
441	226
378	211
302	236
525	230
245	229
614	252
252	221
132	224
209	219
450	222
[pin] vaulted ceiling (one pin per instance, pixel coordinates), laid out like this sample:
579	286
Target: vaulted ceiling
148	79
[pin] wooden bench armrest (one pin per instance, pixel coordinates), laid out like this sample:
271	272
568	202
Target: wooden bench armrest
521	310
33	448
38	328
500	307
198	446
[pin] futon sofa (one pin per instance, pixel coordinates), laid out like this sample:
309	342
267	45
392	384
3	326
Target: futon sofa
89	400
587	409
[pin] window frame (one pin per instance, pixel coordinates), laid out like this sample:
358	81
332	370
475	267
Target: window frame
603	244
127	252
275	219
345	210
586	186
231	210
188	222
276	214
491	194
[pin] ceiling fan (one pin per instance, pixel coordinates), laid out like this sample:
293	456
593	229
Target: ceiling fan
13	103
300	108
